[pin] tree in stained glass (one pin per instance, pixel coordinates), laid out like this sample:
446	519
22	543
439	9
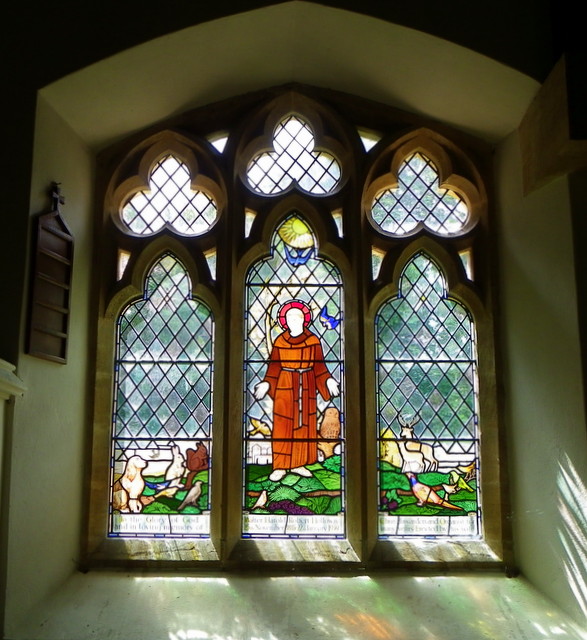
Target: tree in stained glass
170	201
293	159
428	436
161	433
418	199
294	420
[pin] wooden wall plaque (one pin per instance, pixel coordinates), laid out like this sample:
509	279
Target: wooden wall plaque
51	285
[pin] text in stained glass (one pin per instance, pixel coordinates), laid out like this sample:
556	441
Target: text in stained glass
428	436
161	439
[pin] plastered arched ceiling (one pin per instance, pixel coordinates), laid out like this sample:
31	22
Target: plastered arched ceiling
291	42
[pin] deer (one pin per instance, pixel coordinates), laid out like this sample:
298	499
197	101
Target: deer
396	453
413	445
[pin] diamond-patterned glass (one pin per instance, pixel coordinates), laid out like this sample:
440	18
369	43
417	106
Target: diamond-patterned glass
171	201
163	410
310	505
293	159
426	372
418	199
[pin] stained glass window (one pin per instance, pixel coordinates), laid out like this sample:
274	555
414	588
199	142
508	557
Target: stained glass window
161	438
428	435
170	201
293	424
419	200
271	223
293	159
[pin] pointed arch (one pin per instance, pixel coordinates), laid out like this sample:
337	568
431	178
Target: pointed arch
162	409
427	408
293	379
140	263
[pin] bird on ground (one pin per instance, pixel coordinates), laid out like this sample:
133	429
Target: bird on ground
450	488
426	495
261	500
158	486
192	496
461	483
330	425
329	428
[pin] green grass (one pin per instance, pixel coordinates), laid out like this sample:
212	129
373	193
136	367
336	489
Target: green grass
391	479
296	489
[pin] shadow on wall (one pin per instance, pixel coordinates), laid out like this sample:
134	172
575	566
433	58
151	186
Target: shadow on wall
572	506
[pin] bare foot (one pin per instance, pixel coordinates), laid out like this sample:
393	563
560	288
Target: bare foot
277	475
302	471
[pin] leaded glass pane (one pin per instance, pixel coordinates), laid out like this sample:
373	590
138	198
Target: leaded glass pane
293	159
161	434
171	201
294	413
427	420
418	198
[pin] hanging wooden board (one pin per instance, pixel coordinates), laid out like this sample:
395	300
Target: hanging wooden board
51	286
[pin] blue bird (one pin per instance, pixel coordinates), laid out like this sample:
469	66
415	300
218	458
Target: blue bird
296	256
157	485
330	322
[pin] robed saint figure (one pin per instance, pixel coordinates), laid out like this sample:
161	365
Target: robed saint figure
295	374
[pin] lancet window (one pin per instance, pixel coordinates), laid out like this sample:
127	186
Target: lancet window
162	417
294	424
427	409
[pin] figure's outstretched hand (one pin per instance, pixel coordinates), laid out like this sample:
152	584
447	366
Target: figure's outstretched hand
332	386
261	390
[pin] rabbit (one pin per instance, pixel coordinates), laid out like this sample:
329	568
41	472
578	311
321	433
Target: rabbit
174	472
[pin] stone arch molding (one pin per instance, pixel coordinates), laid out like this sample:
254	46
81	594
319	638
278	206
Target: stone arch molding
457	181
268	167
134	178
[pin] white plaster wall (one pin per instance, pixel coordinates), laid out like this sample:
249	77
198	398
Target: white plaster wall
49	423
544	419
542	378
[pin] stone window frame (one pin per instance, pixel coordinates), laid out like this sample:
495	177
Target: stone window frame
337	121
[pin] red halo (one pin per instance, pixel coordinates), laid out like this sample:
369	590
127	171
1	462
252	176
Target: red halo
294	304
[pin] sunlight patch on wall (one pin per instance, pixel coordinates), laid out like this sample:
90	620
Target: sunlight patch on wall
572	505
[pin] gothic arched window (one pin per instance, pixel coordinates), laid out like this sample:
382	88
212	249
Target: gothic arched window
162	416
295	357
294	411
426	362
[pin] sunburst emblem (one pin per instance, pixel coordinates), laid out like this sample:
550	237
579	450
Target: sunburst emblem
298	239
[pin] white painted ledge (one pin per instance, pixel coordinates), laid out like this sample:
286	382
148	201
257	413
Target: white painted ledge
10	384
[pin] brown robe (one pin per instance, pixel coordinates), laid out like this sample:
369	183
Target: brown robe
296	371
